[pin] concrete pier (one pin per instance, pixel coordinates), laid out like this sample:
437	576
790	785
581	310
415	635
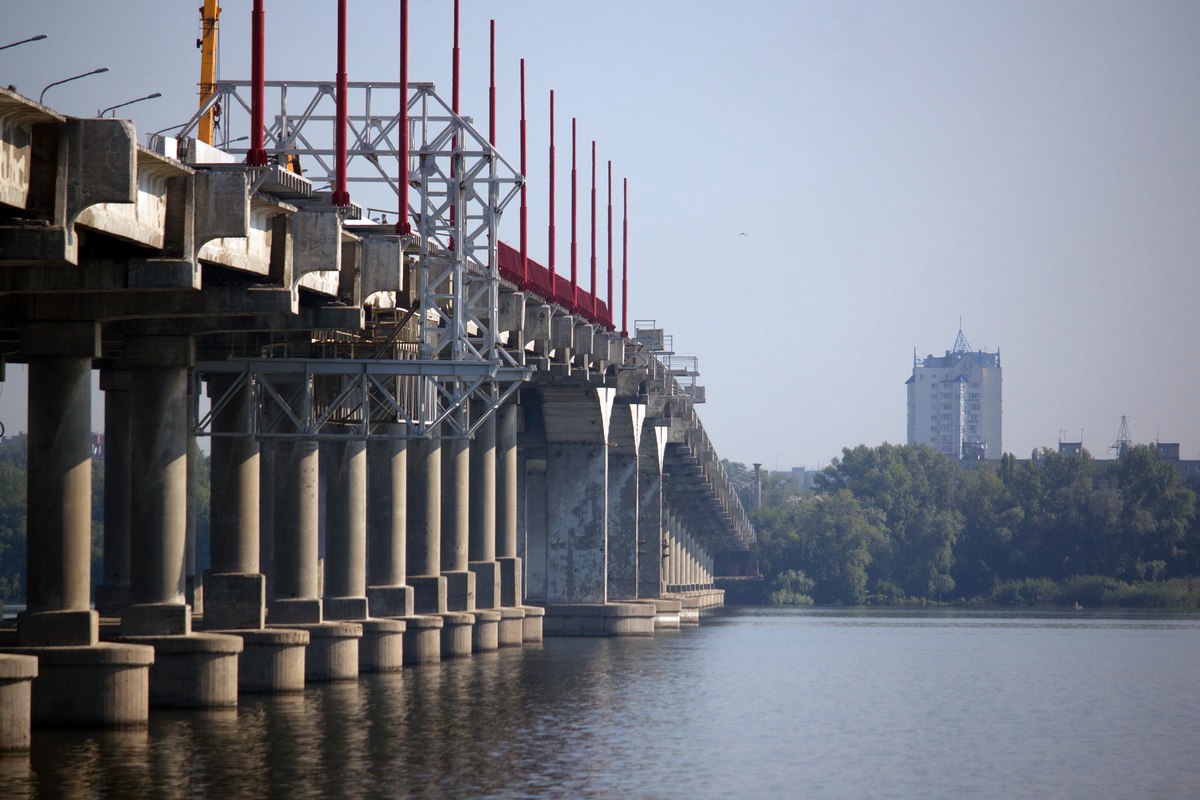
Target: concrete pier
189	669
16	683
79	681
112	594
272	660
388	594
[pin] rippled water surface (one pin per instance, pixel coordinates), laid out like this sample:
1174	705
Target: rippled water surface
751	704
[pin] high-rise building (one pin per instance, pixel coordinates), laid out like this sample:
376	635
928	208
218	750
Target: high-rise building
954	402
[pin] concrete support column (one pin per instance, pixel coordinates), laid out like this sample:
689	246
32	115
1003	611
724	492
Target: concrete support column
58	502
650	535
296	469
625	433
345	475
482	527
507	473
536	531
623	532
672	553
576	522
235	586
159	445
424	541
112	595
295	598
387	518
456	508
79	681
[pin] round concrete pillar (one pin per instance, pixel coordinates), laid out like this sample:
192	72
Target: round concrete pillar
483	491
424	543
387	493
456	483
234	509
296	465
59	487
112	595
506	481
159	482
345	529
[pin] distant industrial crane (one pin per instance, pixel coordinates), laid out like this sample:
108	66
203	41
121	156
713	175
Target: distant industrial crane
207	44
1124	440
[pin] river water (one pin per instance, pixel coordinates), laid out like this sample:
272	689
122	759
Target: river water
754	703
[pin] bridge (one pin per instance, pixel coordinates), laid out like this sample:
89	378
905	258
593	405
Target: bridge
424	443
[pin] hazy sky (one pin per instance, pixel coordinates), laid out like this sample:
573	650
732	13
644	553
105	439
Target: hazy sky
1030	167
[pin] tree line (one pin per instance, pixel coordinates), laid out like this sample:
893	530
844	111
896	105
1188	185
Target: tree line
903	523
13	482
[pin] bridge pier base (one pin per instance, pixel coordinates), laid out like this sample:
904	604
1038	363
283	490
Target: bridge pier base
16	680
533	627
600	619
423	639
272	660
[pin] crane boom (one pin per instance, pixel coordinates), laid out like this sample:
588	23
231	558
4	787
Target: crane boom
207	43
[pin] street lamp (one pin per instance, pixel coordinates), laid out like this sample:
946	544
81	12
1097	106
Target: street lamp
96	71
37	38
128	103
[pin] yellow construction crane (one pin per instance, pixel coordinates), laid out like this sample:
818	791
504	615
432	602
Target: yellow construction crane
207	43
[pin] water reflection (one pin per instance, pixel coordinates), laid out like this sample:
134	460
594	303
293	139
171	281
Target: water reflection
757	704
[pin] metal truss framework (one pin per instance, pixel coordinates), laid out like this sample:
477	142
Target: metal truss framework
462	185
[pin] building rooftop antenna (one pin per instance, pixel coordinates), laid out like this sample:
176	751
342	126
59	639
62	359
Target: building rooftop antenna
961	345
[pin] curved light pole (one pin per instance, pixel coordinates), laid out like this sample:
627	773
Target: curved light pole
37	38
129	103
96	71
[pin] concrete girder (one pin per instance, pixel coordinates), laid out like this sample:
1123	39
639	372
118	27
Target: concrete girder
18	116
86	162
161	214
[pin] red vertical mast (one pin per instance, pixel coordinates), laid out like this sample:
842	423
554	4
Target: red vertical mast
454	57
611	310
257	154
595	301
550	254
341	197
625	259
574	220
492	89
403	227
524	186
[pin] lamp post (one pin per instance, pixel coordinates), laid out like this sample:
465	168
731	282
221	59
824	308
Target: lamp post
128	103
37	38
96	71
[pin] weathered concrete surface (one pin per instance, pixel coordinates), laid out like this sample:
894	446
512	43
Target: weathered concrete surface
381	648
271	661
195	671
485	634
576	522
344	467
104	685
512	627
457	634
235	591
112	595
159	447
332	653
387	516
16	682
59	488
533	628
423	639
609	619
